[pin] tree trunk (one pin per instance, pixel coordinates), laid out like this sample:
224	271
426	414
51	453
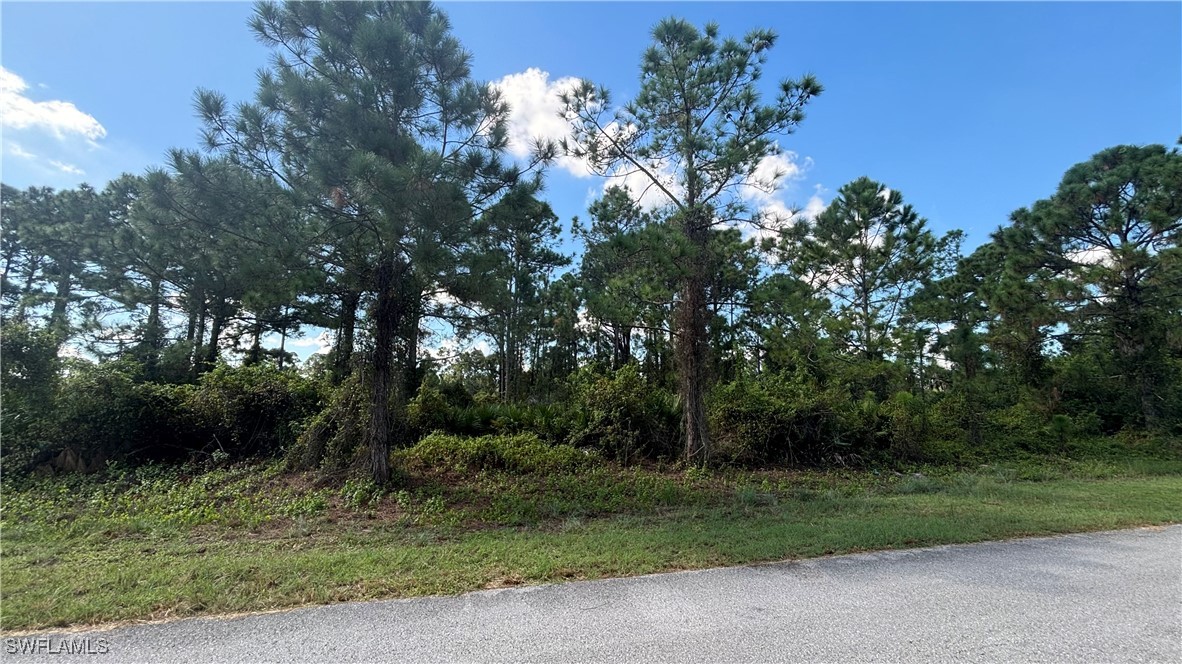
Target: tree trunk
191	330
58	321
282	344
217	324
388	314
692	358
255	355
868	351
342	356
153	332
410	361
199	336
621	345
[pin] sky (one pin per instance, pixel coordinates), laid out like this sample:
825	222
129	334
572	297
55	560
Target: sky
969	110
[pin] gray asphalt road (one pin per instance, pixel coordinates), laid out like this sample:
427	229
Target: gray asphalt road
1080	598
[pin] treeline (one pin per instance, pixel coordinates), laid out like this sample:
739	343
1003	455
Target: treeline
367	191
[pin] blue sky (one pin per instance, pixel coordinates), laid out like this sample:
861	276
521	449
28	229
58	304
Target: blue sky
970	110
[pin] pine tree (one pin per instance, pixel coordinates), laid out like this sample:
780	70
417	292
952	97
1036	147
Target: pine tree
695	134
1108	241
867	253
620	272
370	115
510	261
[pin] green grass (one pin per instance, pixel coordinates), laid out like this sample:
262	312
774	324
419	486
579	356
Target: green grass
160	543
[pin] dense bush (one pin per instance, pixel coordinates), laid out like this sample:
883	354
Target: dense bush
623	416
908	425
1017	427
518	453
616	413
782	418
434	410
1083	384
28	381
75	415
104	412
251	411
331	438
429	411
107	412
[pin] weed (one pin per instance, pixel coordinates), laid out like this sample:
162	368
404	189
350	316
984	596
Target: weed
194	540
359	493
751	496
919	483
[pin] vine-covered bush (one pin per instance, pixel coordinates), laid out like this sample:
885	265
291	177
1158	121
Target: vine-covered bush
251	411
331	439
788	418
621	415
107	412
517	453
28	382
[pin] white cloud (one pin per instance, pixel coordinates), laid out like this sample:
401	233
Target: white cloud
73	352
1091	256
16	150
444	299
535	114
66	168
450	348
773	172
764	190
642	188
771	217
584	323
816	204
322	342
60	118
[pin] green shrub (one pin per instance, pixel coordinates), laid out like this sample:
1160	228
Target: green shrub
1059	429
28	382
1087	424
331	439
880	378
429	411
782	418
516	453
1018	427
251	411
434	410
907	418
455	394
622	415
107	412
956	415
103	413
358	493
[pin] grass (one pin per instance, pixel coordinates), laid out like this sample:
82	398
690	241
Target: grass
159	543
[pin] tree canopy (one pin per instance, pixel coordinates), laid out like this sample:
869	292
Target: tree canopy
366	197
